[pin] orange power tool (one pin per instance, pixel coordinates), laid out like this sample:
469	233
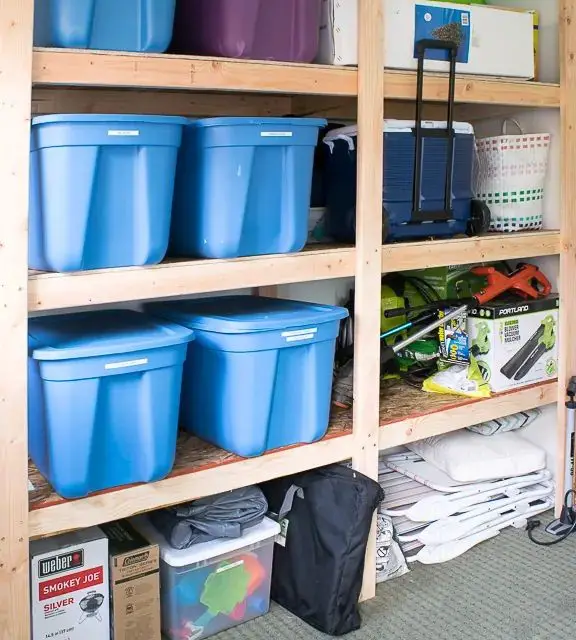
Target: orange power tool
526	282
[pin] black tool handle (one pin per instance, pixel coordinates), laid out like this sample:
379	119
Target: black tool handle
418	215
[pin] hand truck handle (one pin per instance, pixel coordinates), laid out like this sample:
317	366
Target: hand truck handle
421	47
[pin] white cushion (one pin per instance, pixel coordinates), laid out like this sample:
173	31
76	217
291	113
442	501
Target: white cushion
470	457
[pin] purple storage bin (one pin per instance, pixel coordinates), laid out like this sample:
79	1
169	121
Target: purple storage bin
284	30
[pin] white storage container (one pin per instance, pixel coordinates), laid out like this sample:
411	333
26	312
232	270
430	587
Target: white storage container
215	585
494	41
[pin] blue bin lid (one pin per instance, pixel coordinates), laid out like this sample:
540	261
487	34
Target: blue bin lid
245	314
109	117
97	333
258	122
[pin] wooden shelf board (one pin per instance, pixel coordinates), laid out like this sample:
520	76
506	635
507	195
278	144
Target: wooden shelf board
198	472
403	420
50	291
69	67
198	468
401	85
488	248
73	67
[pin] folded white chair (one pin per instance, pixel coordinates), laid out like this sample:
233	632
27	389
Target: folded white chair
457	526
435	554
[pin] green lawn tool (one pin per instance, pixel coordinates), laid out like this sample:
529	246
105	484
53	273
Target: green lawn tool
481	344
539	343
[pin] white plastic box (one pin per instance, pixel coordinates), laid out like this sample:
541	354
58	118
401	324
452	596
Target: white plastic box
496	41
215	585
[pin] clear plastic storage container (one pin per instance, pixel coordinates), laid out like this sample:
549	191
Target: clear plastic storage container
243	187
285	30
104	393
215	585
125	25
101	190
258	375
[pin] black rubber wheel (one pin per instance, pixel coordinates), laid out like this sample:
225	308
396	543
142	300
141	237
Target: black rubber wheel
479	222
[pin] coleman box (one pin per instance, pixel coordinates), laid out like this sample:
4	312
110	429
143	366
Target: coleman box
134	583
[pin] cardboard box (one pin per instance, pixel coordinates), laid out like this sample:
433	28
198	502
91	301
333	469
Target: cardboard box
493	41
515	342
69	587
134	583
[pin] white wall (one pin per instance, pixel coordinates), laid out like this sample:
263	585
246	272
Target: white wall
548	34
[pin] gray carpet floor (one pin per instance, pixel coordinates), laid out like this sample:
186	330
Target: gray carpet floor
504	589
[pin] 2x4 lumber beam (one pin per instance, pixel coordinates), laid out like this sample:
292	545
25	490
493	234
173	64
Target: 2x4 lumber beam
567	280
368	256
16	18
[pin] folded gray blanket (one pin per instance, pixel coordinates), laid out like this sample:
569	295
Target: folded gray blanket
225	515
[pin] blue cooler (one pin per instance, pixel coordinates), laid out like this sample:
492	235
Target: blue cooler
104	393
120	25
243	187
399	153
101	189
258	375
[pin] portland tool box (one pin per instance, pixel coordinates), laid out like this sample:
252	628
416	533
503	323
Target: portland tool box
428	167
69	586
515	341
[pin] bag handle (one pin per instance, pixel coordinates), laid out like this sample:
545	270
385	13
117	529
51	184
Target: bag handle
513	121
286	507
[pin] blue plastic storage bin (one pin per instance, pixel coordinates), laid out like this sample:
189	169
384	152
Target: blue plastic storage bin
120	25
399	146
101	190
243	187
103	398
258	375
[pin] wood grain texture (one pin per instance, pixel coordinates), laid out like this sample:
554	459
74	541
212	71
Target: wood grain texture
567	279
408	414
200	470
111	69
368	256
67	67
50	291
15	95
168	103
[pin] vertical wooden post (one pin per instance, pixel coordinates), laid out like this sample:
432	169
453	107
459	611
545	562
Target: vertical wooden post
567	288
368	254
16	18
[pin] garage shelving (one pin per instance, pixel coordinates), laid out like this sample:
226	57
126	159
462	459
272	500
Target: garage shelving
49	81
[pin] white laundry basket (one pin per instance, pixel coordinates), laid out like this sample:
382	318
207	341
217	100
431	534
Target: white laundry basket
510	178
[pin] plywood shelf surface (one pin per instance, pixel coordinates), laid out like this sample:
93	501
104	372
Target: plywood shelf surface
67	67
50	291
433	414
201	469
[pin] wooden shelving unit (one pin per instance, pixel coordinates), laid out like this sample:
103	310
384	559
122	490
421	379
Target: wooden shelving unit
49	81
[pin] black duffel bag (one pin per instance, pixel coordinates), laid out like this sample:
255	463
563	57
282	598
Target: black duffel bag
325	516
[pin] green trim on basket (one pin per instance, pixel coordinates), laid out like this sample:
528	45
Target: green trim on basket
512	197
